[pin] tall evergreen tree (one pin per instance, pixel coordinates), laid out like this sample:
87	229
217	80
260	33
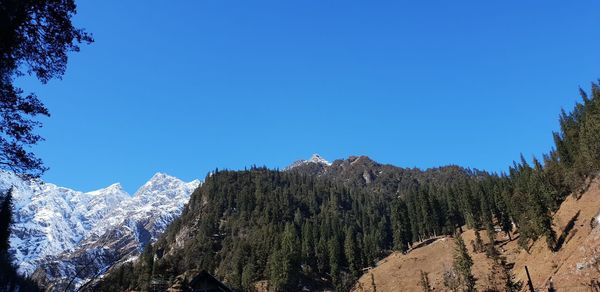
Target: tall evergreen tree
462	264
350	251
5	222
335	259
284	262
308	245
279	269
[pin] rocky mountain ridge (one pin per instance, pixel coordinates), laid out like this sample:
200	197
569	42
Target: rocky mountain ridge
58	231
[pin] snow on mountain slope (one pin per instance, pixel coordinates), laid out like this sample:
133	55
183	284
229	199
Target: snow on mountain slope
161	199
315	159
50	220
121	236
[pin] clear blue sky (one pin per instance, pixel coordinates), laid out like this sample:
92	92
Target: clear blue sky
186	86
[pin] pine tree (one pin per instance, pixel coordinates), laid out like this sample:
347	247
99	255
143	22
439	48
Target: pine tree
462	265
322	254
589	133
335	259
350	247
148	265
506	225
7	271
542	220
5	221
248	275
291	245
308	245
478	243
278	271
284	266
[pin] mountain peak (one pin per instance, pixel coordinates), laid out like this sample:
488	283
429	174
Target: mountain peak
161	183
112	189
115	186
316	158
159	176
52	220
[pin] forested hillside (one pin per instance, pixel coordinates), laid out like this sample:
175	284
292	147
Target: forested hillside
318	229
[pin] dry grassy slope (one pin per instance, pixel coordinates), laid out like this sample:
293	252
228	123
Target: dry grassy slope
561	267
568	268
400	272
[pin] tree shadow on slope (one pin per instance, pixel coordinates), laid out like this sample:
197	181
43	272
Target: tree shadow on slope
565	233
424	243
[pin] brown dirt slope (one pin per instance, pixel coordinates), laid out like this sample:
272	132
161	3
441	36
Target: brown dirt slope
571	268
399	272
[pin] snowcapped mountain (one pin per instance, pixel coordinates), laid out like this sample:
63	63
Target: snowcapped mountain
49	219
52	223
160	199
121	236
315	159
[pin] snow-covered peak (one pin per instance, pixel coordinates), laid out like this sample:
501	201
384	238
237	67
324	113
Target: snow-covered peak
112	190
161	194
49	219
314	159
164	185
124	232
160	176
114	187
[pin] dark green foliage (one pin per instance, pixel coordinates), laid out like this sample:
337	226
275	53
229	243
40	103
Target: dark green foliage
578	143
35	37
249	274
477	244
351	252
284	263
462	265
532	197
147	267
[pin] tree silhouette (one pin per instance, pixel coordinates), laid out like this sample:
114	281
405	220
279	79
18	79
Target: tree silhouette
35	38
5	220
